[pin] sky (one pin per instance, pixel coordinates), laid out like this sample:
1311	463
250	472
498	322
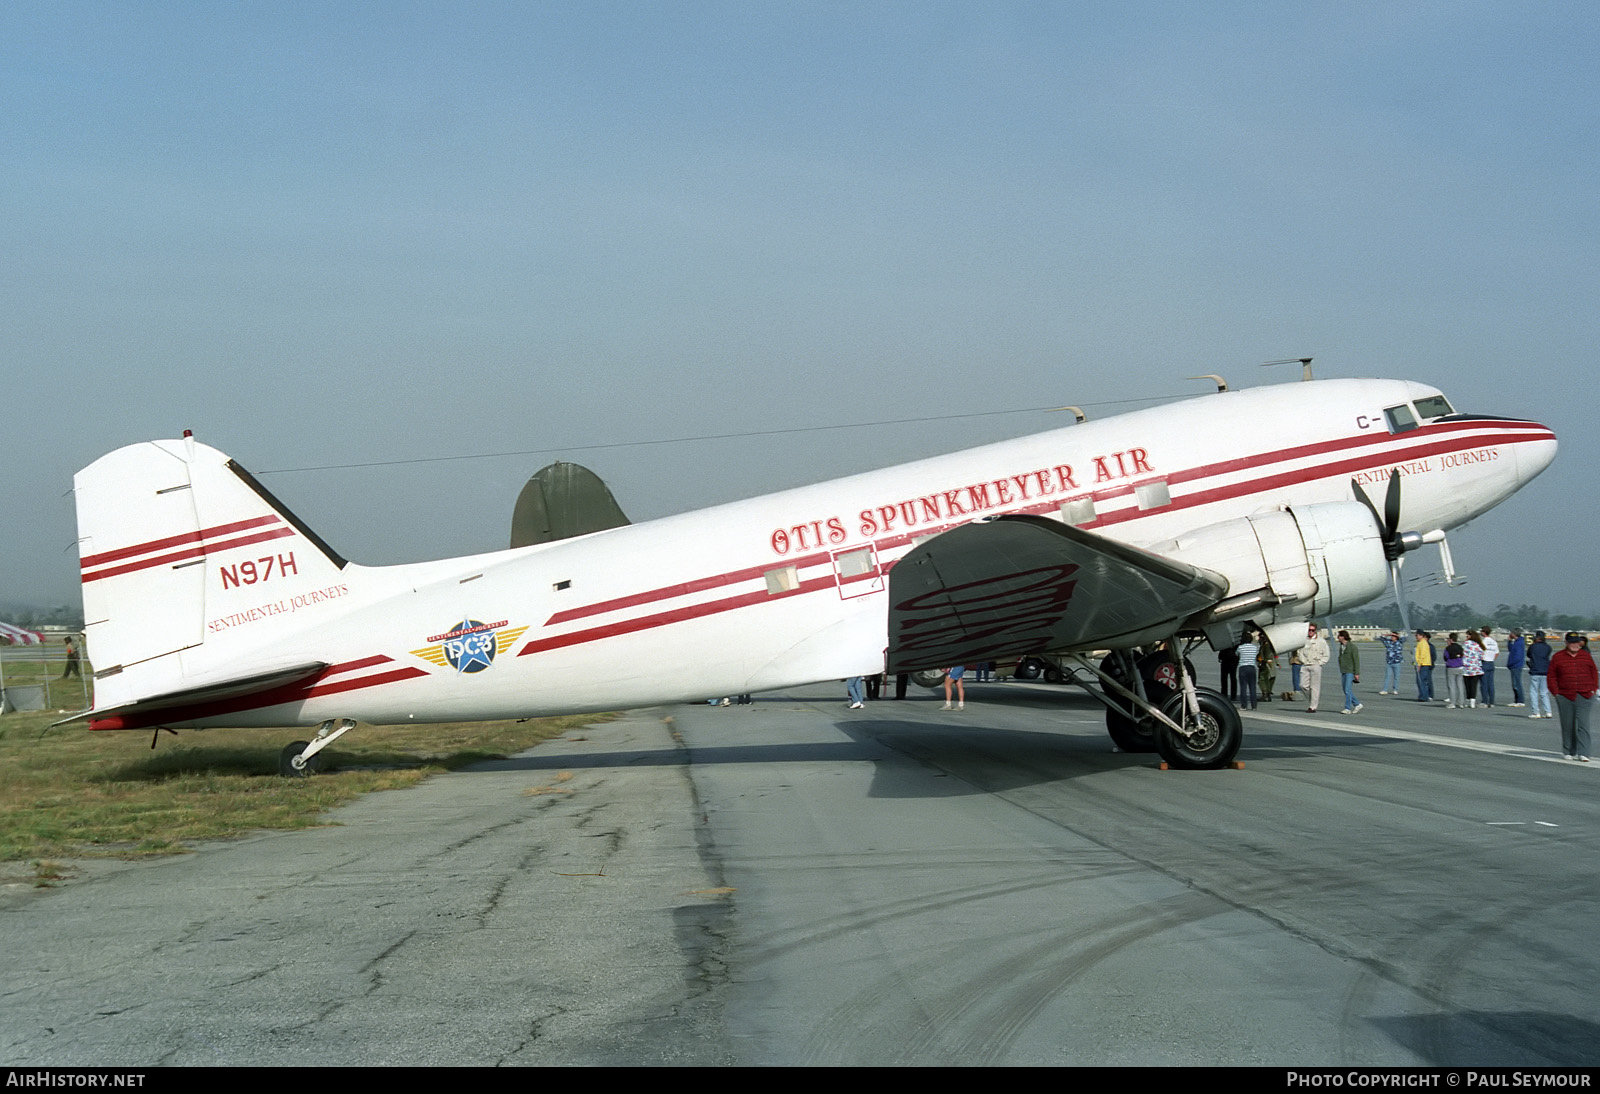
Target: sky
398	234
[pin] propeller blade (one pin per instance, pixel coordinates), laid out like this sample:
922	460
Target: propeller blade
1361	494
1400	594
1394	543
1391	506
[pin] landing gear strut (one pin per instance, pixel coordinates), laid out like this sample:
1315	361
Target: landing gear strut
299	759
1152	705
1158	680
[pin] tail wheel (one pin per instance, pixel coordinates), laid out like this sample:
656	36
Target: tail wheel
927	678
291	753
1217	732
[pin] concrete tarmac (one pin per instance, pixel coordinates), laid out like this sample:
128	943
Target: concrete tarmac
793	882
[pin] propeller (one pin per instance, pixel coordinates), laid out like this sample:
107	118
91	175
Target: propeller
1395	542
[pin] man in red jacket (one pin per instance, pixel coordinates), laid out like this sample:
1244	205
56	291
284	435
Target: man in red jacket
1573	681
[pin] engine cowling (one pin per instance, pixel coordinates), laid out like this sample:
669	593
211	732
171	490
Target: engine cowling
1289	565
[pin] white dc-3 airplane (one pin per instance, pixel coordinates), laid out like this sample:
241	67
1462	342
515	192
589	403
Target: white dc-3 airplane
208	603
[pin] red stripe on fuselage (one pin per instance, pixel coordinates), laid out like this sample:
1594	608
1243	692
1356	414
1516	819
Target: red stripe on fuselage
676	615
700	585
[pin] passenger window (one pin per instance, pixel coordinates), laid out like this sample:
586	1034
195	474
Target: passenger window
855	563
785	579
1152	495
1079	512
1399	418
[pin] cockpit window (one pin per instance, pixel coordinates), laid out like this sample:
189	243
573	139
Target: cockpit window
1399	418
1434	406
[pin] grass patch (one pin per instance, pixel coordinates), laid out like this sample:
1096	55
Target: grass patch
71	792
47	873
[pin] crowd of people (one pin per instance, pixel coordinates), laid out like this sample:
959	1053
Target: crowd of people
1559	683
1548	683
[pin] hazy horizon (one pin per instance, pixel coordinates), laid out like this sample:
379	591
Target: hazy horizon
369	234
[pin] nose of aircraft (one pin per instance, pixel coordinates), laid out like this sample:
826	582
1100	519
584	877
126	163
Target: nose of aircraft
1534	455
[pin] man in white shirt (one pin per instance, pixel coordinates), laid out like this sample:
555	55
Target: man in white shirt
1313	655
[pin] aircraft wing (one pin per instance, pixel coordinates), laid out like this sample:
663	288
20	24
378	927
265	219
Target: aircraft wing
1022	584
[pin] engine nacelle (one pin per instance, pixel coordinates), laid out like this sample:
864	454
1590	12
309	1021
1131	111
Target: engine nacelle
1288	565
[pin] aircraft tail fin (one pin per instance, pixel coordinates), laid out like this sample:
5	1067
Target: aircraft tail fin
183	557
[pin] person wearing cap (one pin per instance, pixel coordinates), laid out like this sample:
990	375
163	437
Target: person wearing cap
1313	656
1392	653
1538	666
1573	681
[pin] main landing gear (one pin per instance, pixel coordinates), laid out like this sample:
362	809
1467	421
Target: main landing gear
1210	734
1153	705
299	759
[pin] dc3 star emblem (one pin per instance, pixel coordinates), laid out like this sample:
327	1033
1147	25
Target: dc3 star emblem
470	646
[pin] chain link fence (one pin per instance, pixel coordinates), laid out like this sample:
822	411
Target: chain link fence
43	677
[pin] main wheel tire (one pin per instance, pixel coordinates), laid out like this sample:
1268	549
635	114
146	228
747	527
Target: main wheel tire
1130	735
286	759
927	678
1219	732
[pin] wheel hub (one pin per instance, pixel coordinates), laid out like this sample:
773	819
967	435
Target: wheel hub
1204	733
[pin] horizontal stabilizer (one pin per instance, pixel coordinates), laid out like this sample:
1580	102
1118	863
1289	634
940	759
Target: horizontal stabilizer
561	501
205	693
1015	585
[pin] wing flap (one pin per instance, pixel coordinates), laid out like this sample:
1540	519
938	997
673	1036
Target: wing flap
1020	584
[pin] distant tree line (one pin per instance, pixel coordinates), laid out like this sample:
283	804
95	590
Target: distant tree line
33	617
1458	617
